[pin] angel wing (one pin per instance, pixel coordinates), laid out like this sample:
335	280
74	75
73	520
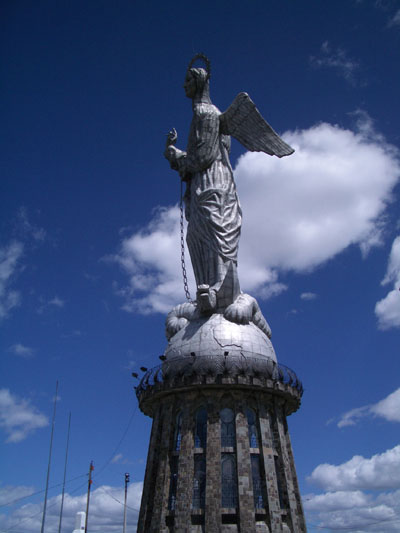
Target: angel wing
243	121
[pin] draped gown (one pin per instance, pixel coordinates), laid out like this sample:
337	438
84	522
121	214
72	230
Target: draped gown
212	206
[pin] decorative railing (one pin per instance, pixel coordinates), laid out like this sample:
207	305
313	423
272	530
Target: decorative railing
257	367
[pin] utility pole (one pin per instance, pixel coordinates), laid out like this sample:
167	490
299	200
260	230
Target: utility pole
126	493
91	468
48	466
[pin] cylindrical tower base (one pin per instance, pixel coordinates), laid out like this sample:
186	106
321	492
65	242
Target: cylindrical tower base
220	457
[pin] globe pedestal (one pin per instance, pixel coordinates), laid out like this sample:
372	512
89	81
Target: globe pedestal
220	457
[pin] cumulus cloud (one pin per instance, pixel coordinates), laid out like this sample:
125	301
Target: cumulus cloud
380	472
22	351
106	511
9	260
353	516
354	511
151	258
299	212
338	60
387	310
333	501
388	408
11	493
312	205
18	417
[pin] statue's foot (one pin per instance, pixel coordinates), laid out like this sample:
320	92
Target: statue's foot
245	309
206	298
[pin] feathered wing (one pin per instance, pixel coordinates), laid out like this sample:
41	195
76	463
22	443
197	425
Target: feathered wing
243	121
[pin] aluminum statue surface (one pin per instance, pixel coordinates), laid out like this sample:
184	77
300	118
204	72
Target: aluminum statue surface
212	206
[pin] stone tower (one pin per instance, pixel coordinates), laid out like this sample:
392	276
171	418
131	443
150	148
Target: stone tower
220	458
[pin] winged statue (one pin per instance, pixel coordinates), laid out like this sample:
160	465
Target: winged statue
212	206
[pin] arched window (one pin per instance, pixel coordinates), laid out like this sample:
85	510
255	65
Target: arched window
278	471
258	485
227	428
200	434
173	483
178	432
228	480
199	481
254	440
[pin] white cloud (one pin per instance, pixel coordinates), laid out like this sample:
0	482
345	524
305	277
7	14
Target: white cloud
18	417
308	296
106	511
11	493
151	258
312	205
9	258
53	302
372	517
388	309
333	501
120	459
299	212
350	418
388	408
380	472
338	60
22	351
56	301
354	511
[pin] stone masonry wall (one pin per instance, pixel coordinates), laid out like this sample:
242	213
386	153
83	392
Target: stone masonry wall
282	510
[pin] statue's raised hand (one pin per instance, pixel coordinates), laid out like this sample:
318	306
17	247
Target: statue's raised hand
172	137
170	151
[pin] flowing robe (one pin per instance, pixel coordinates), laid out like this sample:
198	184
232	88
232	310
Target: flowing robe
212	206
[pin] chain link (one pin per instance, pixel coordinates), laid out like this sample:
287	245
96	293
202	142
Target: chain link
184	274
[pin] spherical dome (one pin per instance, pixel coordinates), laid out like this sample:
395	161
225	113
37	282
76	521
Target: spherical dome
215	335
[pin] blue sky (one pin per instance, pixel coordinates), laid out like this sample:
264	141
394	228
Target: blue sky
89	238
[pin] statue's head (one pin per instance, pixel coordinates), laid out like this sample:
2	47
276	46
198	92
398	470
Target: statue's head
197	79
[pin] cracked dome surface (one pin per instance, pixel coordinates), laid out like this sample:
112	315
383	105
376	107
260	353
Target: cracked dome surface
214	336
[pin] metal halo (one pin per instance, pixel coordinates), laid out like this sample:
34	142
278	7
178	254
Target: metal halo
204	58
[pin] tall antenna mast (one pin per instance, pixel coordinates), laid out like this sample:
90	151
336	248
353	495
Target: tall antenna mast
48	466
65	473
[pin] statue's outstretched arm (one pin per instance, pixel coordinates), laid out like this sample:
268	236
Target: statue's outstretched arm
175	156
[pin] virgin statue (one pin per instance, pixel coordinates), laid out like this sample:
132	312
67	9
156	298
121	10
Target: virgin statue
212	206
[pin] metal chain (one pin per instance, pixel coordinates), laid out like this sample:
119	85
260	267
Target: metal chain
184	274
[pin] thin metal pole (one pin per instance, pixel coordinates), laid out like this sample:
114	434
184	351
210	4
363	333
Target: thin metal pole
48	466
65	473
88	494
126	493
